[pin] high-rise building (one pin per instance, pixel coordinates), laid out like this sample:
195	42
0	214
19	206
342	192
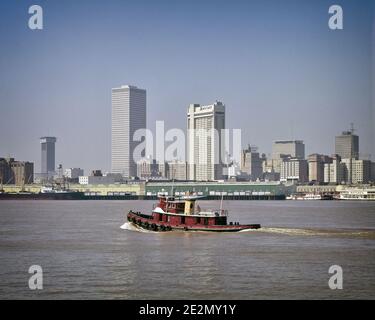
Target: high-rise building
316	167
357	171
251	163
5	171
334	171
347	145
128	116
372	172
205	125
286	148
48	156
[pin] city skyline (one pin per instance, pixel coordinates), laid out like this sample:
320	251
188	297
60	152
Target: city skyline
134	144
281	78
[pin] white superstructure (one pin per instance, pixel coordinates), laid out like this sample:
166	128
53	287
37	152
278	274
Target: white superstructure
365	194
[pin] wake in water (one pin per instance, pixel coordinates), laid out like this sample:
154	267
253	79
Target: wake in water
132	227
355	233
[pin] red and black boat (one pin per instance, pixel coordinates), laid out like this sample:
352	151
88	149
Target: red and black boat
183	213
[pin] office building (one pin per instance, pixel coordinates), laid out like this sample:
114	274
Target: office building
373	172
294	170
148	168
177	170
128	116
47	156
287	148
251	163
316	167
357	171
347	145
205	125
95	180
334	171
5	172
73	173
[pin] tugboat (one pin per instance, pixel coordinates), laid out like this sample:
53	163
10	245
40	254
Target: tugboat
183	214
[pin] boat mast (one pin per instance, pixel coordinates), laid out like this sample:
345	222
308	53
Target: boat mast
173	177
172	187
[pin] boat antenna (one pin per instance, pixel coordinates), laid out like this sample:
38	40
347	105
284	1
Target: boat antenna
172	187
173	176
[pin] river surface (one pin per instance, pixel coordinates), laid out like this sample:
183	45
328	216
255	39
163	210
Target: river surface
87	252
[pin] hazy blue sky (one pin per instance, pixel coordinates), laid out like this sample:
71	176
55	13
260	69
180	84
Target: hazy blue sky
280	70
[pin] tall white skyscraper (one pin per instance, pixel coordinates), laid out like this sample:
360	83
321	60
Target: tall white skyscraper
128	115
204	124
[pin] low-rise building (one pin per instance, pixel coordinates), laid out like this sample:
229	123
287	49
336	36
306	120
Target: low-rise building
96	180
177	170
16	172
263	189
23	172
73	173
148	168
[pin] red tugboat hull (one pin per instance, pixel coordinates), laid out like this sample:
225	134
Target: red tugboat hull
158	225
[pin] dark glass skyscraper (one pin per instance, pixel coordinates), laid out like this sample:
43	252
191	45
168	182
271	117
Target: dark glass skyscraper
48	156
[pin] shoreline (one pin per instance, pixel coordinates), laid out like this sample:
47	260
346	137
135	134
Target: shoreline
82	196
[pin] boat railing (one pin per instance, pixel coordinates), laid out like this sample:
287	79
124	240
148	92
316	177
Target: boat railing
146	216
221	212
